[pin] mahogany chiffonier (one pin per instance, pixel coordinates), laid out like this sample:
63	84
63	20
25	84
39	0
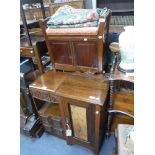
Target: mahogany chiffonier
74	107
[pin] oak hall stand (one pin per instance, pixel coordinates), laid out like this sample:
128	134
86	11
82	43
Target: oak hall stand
74	107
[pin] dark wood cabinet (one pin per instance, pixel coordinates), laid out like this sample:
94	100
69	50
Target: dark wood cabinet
74	107
77	53
78	49
74	55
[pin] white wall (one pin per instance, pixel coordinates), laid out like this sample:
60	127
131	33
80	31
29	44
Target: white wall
94	4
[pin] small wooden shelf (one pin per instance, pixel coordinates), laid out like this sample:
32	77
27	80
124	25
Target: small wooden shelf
51	109
51	119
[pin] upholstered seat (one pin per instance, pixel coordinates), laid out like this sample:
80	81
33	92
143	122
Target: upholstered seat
73	31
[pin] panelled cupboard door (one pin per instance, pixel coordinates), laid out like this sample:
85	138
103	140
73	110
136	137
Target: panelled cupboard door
80	118
86	54
61	52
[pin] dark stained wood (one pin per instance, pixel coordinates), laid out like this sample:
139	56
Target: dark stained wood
120	119
49	81
97	128
75	87
86	54
83	52
84	89
124	101
100	42
74	92
61	52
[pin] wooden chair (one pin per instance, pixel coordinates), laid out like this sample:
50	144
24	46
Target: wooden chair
78	49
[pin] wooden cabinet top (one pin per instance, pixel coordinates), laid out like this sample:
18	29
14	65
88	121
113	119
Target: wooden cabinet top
85	89
49	81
